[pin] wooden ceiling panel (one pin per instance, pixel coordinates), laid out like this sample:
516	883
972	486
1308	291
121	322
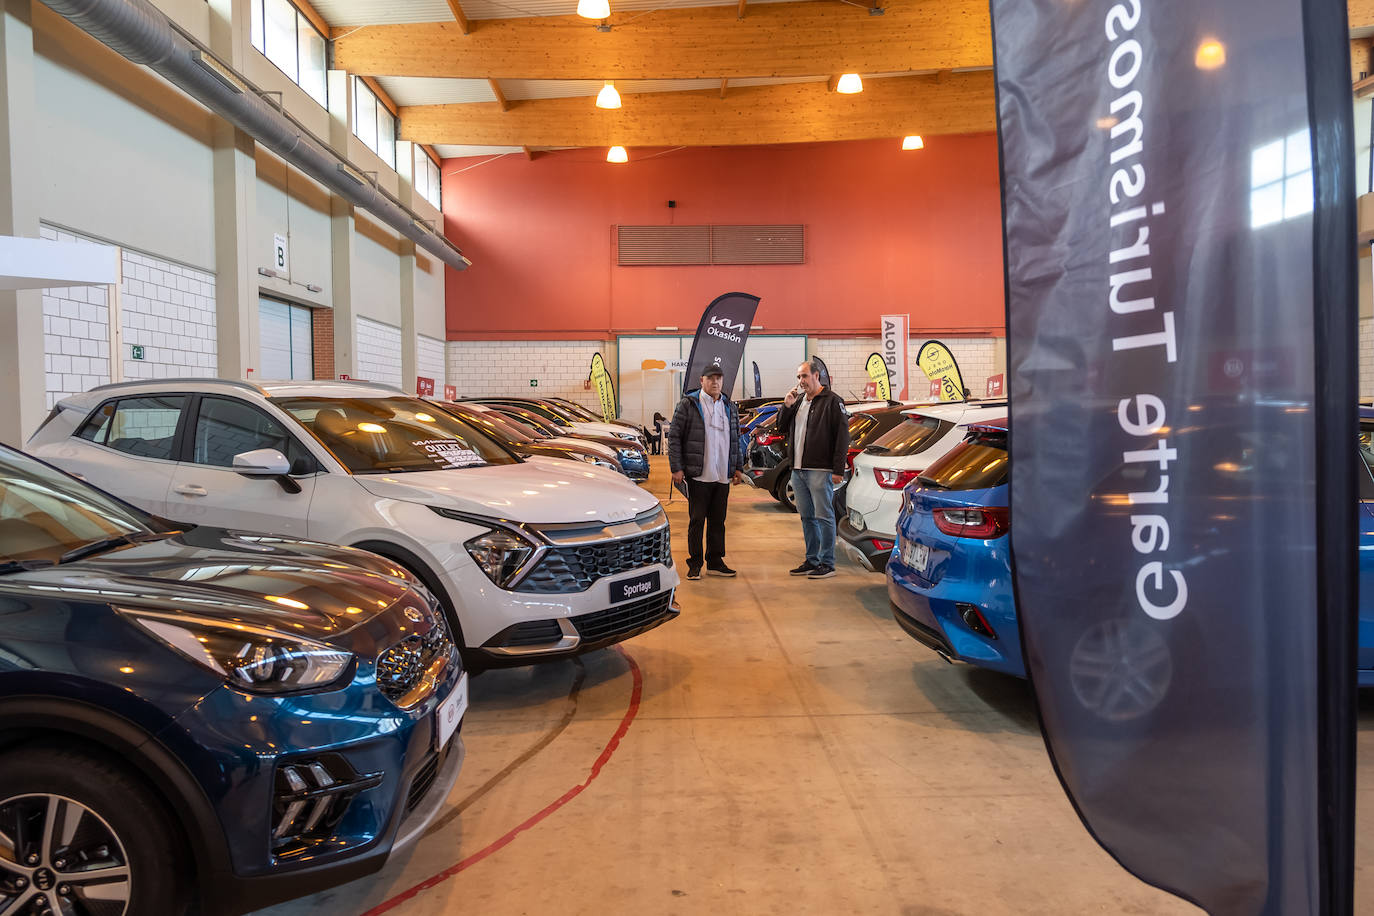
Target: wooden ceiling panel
775	39
791	113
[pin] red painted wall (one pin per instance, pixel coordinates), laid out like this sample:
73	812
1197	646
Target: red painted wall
886	231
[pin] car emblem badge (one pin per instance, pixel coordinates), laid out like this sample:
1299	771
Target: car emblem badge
413	615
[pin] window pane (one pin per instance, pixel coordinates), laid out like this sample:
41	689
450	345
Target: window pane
364	114
146	426
97	424
226	428
1297	195
255	25
1266	205
435	191
1266	164
386	135
1298	157
280	29
313	79
420	174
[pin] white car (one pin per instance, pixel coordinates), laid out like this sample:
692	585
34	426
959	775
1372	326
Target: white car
531	559
567	419
893	461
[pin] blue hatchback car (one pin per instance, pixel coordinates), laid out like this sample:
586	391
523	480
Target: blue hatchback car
193	718
949	576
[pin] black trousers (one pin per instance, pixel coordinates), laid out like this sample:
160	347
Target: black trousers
706	504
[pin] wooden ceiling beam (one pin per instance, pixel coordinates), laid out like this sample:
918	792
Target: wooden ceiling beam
741	9
500	96
724	81
790	113
776	39
459	16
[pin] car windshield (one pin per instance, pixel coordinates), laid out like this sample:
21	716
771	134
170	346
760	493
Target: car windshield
44	514
578	411
493	424
556	412
980	461
912	436
393	435
540	425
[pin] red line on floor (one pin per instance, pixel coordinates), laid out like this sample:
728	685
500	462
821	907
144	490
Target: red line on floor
636	693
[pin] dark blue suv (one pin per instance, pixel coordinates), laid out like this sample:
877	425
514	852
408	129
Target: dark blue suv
199	717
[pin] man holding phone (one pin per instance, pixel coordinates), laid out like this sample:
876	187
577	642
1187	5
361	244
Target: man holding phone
816	427
704	455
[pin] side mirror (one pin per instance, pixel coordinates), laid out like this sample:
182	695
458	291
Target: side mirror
261	462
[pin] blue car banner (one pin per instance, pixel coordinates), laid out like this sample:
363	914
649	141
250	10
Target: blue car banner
1179	232
720	338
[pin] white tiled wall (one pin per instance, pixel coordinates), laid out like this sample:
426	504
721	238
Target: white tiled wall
429	361
1366	358
847	357
493	367
76	332
378	352
169	310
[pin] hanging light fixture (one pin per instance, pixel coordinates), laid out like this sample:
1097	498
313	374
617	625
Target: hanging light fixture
1211	55
593	9
913	141
849	84
617	154
608	97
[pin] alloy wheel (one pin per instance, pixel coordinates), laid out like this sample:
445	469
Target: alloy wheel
59	857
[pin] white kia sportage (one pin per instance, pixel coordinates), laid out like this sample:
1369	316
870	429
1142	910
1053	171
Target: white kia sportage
532	559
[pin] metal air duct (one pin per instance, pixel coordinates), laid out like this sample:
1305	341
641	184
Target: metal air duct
144	35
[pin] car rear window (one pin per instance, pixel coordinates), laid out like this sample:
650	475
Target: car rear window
142	426
912	436
980	461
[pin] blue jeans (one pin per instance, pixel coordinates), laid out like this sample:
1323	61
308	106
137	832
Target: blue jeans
815	495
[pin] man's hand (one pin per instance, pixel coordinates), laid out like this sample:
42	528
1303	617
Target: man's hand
737	478
837	479
679	477
790	398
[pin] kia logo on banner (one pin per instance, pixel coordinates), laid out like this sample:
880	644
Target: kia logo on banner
424	387
893	351
720	339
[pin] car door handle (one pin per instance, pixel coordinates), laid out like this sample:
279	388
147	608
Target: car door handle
190	489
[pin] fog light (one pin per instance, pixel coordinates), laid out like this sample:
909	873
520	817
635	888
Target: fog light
975	621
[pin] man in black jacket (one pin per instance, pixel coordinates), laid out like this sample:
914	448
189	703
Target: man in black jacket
813	419
704	454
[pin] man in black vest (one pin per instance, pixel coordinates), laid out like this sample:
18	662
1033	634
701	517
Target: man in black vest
813	419
704	454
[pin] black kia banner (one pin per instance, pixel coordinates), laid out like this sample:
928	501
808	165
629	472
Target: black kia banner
1179	248
758	382
721	333
821	369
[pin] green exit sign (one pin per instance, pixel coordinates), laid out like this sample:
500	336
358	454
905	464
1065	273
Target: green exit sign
534	383
138	352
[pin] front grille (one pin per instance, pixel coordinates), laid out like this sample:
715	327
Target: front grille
623	619
574	569
401	669
422	781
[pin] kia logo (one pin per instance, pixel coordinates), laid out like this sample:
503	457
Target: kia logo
413	615
727	323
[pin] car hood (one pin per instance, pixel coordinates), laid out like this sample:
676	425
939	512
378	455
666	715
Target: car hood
307	588
541	492
586	446
605	429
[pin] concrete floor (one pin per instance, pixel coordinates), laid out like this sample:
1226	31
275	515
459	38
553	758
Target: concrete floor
792	752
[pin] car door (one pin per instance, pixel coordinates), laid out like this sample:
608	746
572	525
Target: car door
206	490
127	446
1366	551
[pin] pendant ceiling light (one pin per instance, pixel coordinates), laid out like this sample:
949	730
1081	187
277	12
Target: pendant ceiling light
913	141
617	154
608	97
849	84
593	9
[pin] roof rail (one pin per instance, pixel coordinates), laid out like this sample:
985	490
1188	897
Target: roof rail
138	383
337	383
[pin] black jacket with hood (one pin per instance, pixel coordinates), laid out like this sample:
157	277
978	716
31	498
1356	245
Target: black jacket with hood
687	436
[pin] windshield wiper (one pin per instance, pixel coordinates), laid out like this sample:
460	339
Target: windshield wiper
104	544
878	449
22	565
925	481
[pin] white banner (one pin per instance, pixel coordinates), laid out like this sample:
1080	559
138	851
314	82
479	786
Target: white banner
894	352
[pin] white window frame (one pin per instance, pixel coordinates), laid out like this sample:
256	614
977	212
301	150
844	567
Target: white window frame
1281	180
426	178
366	101
304	28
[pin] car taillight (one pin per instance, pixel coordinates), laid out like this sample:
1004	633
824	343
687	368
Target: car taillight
984	524
881	543
768	439
850	459
890	479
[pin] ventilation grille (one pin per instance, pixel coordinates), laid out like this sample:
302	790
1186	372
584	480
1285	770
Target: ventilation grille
639	246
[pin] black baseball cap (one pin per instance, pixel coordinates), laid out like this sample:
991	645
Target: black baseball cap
712	369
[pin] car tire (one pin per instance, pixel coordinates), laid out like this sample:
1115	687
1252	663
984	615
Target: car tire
103	814
785	495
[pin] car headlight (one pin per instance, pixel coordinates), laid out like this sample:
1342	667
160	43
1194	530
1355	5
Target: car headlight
609	465
631	436
628	454
501	554
248	657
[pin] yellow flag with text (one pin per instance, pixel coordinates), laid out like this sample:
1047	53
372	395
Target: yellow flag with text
938	364
604	387
878	372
